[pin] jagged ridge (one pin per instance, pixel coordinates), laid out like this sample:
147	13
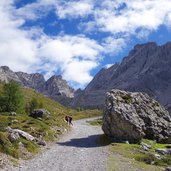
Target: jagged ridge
55	87
146	69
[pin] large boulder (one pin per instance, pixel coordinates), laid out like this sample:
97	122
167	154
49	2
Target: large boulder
133	116
40	113
15	134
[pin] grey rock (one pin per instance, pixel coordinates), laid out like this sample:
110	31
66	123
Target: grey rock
133	116
7	75
58	89
41	141
13	113
157	156
145	146
168	168
146	69
13	136
40	113
16	133
161	151
35	81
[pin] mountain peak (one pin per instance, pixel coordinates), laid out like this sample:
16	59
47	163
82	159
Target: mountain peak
146	69
56	77
5	68
55	87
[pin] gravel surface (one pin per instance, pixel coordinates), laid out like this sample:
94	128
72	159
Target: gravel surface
76	151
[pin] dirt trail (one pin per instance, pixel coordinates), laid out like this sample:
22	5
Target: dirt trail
76	151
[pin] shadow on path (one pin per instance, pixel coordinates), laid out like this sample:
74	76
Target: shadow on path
87	142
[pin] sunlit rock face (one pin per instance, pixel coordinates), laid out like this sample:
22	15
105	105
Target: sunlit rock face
133	116
147	69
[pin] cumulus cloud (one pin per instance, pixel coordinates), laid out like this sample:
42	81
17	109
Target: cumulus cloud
129	16
74	9
63	9
75	56
113	45
36	10
17	49
29	49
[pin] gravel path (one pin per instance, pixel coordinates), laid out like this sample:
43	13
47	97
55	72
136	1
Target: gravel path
76	151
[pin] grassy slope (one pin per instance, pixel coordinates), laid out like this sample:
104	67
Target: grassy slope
34	126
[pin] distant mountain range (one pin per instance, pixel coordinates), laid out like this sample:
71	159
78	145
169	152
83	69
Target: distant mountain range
55	87
147	68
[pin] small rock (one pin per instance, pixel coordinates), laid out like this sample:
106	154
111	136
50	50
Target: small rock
56	128
168	168
161	151
43	143
153	162
145	147
13	136
157	156
13	114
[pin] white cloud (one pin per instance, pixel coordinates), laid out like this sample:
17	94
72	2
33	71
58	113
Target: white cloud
75	56
80	71
36	10
74	9
31	50
113	45
17	50
114	18
63	9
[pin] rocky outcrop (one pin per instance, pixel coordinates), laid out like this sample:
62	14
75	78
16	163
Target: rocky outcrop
7	75
146	69
133	116
55	87
35	81
40	113
15	134
58	89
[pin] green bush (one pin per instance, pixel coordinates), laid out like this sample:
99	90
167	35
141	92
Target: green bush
12	98
33	104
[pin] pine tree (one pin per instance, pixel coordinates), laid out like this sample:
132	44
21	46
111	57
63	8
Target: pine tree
12	98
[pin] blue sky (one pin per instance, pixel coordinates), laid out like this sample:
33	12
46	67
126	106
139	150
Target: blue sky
76	38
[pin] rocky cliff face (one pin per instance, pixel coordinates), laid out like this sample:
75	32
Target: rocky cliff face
55	87
133	116
35	81
7	75
146	69
58	89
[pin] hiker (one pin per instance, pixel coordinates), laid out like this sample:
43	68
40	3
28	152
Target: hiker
68	119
